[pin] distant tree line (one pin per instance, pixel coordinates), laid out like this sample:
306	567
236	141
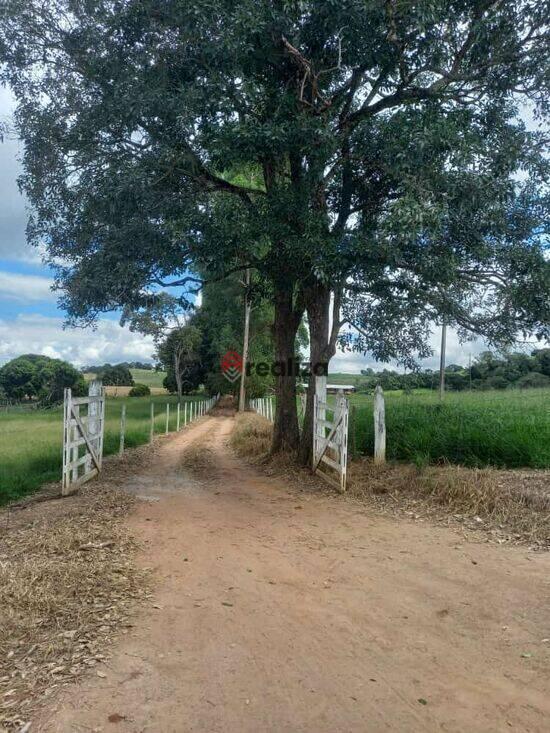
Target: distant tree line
100	368
113	375
488	371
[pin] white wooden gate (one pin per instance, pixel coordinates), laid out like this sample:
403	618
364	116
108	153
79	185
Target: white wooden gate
82	436
330	437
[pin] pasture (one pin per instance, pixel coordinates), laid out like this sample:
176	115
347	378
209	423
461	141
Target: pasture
31	442
507	429
149	377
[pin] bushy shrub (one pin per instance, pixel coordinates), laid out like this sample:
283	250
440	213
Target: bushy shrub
533	379
139	390
117	376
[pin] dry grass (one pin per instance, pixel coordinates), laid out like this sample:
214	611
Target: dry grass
498	500
67	585
251	436
510	505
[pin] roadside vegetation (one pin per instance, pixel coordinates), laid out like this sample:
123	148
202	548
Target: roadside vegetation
508	428
31	442
511	506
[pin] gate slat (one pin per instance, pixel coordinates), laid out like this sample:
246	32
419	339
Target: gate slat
86	430
336	441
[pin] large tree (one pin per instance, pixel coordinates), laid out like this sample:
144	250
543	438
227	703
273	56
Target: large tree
136	114
179	353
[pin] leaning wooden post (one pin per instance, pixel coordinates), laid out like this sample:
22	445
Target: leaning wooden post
152	428
379	426
122	429
167	418
178	418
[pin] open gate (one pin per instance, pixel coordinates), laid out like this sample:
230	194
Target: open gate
83	429
330	437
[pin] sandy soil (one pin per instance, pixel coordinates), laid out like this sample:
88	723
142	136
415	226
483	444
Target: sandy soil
285	611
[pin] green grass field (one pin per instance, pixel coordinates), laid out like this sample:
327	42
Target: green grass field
509	428
505	428
31	442
148	377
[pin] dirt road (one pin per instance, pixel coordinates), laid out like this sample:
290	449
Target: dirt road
282	611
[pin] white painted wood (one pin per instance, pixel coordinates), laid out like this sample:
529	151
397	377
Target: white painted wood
94	410
167	418
379	426
152	426
122	430
82	431
64	482
75	419
185	414
319	427
336	440
178	418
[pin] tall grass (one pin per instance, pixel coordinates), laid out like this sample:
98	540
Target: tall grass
31	442
505	429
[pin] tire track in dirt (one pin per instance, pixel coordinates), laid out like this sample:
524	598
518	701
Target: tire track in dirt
282	611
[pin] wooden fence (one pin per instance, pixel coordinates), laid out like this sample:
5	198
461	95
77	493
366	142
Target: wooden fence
82	436
186	413
83	433
264	406
330	437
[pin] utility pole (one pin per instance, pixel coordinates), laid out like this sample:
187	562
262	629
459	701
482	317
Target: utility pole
247	308
442	361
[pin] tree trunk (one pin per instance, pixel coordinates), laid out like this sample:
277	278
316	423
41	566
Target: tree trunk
286	435
322	346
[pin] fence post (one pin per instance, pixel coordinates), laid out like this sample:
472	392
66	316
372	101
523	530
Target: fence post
122	429
152	428
185	414
66	440
178	418
379	426
167	418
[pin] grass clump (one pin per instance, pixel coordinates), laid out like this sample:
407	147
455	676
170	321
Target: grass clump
251	436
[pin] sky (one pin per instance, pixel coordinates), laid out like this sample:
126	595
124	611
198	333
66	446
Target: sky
32	322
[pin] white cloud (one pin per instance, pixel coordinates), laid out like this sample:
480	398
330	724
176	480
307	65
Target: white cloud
25	288
43	335
456	353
